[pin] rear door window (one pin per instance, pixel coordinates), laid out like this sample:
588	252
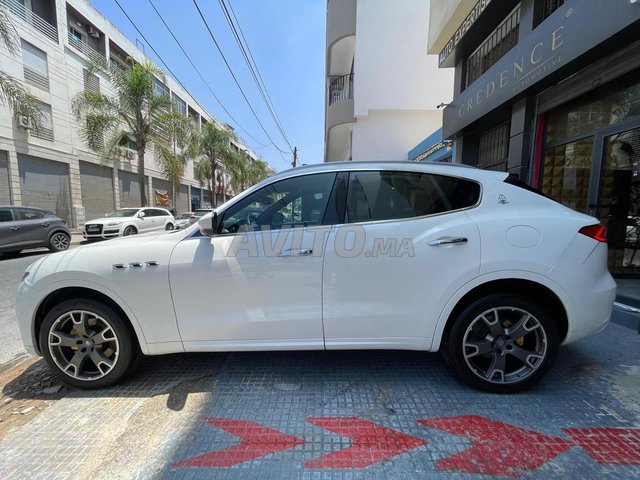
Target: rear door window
28	214
387	195
6	215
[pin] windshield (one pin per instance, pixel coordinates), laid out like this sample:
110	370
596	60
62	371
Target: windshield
183	216
125	212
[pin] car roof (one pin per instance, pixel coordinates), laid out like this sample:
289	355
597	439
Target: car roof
465	171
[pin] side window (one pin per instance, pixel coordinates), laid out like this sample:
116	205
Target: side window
28	214
148	212
5	215
160	213
294	202
387	195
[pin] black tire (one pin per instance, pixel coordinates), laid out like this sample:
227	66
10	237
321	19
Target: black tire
539	343
59	242
129	231
168	227
119	348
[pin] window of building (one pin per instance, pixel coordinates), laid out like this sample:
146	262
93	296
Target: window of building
45	131
159	88
393	195
495	46
493	148
91	81
180	104
35	67
551	6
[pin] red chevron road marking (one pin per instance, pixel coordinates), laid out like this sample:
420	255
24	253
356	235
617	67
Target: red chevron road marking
370	444
608	446
255	441
497	448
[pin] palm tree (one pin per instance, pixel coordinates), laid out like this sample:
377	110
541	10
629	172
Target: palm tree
12	93
246	171
109	124
182	145
215	145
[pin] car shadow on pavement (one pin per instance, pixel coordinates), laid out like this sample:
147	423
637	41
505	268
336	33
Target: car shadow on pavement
30	253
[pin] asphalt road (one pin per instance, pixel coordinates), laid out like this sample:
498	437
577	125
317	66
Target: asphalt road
11	269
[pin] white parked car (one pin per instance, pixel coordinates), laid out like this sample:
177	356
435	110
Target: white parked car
183	220
129	221
336	256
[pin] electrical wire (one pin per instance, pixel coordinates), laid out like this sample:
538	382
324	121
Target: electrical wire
204	20
203	79
253	68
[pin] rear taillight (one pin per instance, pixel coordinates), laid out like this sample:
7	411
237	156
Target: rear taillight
597	232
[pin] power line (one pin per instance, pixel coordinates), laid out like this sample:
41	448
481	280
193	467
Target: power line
253	68
202	77
204	20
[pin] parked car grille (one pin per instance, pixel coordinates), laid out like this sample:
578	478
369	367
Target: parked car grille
93	228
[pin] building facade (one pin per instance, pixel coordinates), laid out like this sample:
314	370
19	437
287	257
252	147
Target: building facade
550	90
382	88
51	167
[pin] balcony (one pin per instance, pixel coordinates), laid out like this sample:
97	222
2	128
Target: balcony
30	18
341	88
93	55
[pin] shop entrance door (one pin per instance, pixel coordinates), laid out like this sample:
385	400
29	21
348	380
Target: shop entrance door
615	197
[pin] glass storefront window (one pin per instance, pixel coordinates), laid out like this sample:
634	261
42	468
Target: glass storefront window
620	200
606	106
566	173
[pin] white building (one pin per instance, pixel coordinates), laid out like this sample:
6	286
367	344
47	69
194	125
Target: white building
382	88
52	168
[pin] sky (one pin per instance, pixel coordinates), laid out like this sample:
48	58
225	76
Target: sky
287	40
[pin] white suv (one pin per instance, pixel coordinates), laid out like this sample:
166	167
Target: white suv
129	221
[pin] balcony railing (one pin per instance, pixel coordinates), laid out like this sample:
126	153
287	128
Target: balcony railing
94	55
32	19
503	39
341	88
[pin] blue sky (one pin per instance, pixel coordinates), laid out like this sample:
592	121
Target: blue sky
287	39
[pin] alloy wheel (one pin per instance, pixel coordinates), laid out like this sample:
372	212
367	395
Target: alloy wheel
60	241
504	345
83	345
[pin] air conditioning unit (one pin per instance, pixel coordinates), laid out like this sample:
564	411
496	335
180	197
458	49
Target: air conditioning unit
129	154
23	121
93	32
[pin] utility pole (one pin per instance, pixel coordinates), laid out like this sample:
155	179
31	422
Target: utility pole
295	157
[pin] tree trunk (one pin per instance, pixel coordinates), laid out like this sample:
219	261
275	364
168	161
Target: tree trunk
141	179
214	203
210	192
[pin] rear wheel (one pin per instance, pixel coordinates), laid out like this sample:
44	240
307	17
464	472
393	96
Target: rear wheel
59	242
86	344
502	343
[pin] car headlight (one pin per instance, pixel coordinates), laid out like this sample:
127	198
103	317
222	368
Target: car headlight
113	224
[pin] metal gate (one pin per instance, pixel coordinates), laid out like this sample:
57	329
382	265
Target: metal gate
45	184
183	204
129	189
96	185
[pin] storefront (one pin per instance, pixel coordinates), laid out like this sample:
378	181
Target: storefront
550	90
433	149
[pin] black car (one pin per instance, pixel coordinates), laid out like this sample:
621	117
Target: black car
28	227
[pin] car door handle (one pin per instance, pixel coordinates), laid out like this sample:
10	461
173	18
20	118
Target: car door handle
45	224
15	229
296	253
448	241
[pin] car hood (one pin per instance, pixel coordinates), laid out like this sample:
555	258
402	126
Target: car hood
105	220
98	259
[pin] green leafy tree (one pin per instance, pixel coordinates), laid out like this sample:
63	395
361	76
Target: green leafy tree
215	146
134	114
182	143
13	94
246	171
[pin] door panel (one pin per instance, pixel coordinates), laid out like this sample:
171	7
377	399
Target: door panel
393	300
238	291
7	235
32	226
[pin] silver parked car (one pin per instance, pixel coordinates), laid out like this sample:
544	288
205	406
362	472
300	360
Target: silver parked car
28	227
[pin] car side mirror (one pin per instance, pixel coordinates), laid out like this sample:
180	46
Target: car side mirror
209	224
141	215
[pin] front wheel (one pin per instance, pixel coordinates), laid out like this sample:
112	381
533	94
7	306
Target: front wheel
168	227
129	231
502	343
86	344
